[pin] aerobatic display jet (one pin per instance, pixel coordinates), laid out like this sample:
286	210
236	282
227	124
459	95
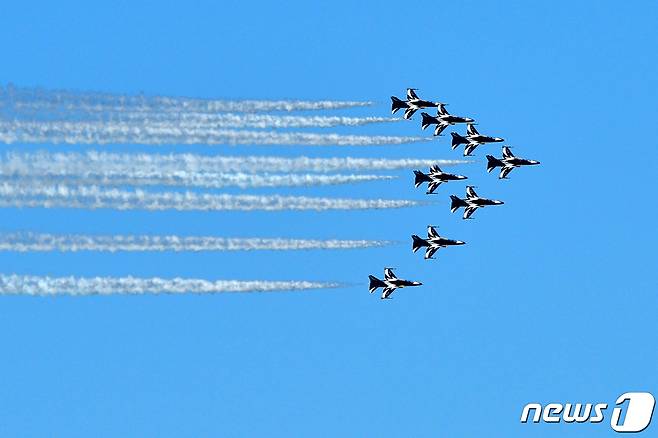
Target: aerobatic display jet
389	283
472	140
433	242
471	203
442	120
411	105
507	163
434	178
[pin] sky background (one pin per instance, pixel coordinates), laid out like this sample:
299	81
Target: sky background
553	299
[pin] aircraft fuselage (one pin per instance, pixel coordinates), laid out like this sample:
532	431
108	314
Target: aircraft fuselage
398	283
454	119
443	242
482	202
483	139
419	104
516	162
446	176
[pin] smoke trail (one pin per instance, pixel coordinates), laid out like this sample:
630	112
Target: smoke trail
205	121
24	242
34	285
31	100
113	164
93	197
171	133
205	180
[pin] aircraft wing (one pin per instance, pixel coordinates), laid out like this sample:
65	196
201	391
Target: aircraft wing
468	212
505	171
435	168
386	293
409	112
440	128
470	129
507	152
469	148
430	251
389	275
433	186
470	192
411	94
431	232
441	110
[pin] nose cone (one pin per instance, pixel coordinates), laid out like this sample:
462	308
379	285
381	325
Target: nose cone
498	139
534	162
468	120
499	202
462	177
417	283
459	242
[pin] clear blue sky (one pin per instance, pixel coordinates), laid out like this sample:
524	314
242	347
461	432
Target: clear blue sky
552	299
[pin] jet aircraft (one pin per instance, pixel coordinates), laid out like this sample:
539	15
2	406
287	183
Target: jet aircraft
389	283
411	105
433	243
471	203
442	120
472	140
507	163
435	177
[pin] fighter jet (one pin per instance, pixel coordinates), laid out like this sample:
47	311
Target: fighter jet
411	105
471	203
433	243
442	120
435	177
507	163
472	140
390	283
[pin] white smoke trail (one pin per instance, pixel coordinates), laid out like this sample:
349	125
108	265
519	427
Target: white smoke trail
93	197
35	99
205	180
113	164
35	285
25	242
171	133
206	121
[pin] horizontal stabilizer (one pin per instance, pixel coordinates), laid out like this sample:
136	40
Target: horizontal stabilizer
458	139
420	178
493	162
455	203
418	243
375	283
397	104
427	120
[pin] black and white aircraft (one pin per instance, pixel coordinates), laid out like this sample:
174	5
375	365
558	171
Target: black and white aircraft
507	163
442	120
433	242
411	105
471	203
390	283
472	140
435	177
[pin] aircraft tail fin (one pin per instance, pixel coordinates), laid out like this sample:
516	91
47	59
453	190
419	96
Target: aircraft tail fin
458	139
417	243
493	162
397	104
375	283
427	120
420	178
455	203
